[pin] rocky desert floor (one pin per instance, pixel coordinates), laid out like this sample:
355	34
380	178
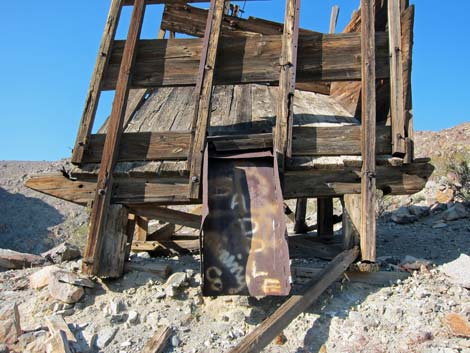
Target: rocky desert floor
423	305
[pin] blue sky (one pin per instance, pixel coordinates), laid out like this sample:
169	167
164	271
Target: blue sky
48	50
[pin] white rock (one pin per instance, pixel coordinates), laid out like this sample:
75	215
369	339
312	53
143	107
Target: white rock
175	341
62	252
64	292
40	279
177	280
133	317
105	336
116	306
459	271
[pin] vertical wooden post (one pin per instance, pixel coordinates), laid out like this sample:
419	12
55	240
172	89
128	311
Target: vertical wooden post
94	91
368	138
407	58
300	213
334	18
141	228
203	94
325	217
288	62
351	220
397	108
110	151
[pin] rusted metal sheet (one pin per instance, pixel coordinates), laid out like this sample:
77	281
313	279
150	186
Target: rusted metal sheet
244	246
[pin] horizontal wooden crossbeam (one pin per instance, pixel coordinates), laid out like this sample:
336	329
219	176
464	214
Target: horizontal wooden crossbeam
327	57
158	2
307	141
407	179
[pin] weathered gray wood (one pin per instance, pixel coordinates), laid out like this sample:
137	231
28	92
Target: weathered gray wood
325	217
397	106
300	225
328	57
334	18
168	215
94	91
368	177
285	102
102	199
351	220
261	336
159	340
402	180
204	95
114	248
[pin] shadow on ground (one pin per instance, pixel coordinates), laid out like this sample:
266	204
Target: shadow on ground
25	223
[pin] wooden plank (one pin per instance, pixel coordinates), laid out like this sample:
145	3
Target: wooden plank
325	217
155	2
368	176
161	270
397	106
168	215
141	146
177	245
261	336
407	34
203	95
328	57
287	77
334	18
159	340
307	141
102	197
401	180
94	91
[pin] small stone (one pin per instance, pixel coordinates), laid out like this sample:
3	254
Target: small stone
66	312
419	211
175	341
440	225
458	271
455	212
445	196
160	294
126	344
64	292
105	336
143	255
177	280
62	252
4	348
116	306
40	279
10	327
403	216
133	317
171	292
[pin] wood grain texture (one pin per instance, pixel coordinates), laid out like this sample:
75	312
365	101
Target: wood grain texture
368	175
325	217
159	340
168	215
102	197
203	95
328	57
94	91
397	106
261	336
287	77
310	182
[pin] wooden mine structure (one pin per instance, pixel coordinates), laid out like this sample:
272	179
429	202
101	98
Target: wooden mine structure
242	115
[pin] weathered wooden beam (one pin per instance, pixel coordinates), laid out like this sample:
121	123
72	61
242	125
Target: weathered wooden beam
149	146
94	91
397	106
203	95
307	141
327	57
183	18
156	2
368	176
261	336
334	18
141	228
103	191
168	215
407	34
401	180
325	217
285	101
158	342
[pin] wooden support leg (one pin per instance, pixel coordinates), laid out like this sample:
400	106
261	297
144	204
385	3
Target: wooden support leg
130	230
300	214
351	220
115	244
102	199
368	177
325	217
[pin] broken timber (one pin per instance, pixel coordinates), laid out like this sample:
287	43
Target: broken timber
261	336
